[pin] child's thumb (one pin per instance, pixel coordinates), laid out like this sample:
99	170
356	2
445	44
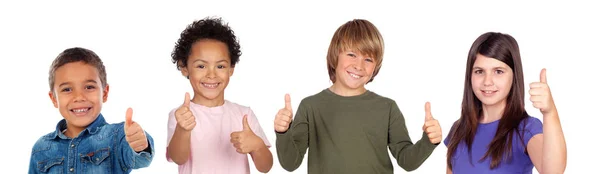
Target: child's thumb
186	102
288	102
428	115
245	123
543	76
128	117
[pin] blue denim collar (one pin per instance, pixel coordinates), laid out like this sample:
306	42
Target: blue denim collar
92	128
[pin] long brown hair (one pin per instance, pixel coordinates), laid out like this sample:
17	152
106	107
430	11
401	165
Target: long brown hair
502	47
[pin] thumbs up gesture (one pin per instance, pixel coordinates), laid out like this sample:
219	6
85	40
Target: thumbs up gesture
284	116
134	134
432	126
540	95
183	115
246	141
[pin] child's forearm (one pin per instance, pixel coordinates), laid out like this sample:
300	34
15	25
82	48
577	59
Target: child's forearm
263	159
136	160
554	158
290	148
179	146
411	156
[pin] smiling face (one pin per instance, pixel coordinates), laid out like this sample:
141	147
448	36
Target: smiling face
78	94
356	50
353	71
208	69
491	80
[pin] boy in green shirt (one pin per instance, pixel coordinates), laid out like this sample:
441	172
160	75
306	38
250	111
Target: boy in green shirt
347	127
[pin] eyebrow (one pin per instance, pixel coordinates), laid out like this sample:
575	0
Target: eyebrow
87	81
498	67
204	61
358	52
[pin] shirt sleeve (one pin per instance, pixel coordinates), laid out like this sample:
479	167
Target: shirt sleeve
408	155
533	126
132	159
171	125
448	138
256	128
32	163
292	145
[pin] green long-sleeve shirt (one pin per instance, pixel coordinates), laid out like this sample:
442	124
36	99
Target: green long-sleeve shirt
350	135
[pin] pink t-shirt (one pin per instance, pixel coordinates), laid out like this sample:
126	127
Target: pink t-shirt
211	149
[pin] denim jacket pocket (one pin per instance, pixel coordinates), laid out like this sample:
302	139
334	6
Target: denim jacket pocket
96	157
97	161
51	165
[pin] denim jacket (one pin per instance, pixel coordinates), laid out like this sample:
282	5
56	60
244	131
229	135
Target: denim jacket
100	148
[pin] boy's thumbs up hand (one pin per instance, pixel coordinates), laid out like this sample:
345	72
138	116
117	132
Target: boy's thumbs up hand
134	134
541	97
246	141
284	116
184	116
432	127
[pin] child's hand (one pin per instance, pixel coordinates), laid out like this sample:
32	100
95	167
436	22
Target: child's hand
540	95
246	141
184	116
432	126
284	116
134	134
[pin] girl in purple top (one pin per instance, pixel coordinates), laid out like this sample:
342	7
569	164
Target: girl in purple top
494	133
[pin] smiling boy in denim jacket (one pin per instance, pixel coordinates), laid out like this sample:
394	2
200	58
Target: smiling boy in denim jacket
83	141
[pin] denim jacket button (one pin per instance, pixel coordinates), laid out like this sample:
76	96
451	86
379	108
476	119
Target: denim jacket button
71	169
72	145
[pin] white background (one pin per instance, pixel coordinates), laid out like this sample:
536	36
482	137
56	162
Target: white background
283	51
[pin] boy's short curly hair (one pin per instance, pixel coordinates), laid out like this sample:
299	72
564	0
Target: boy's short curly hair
207	28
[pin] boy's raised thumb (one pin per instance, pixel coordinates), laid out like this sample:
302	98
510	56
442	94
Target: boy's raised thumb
543	76
245	123
128	117
186	102
428	115
288	102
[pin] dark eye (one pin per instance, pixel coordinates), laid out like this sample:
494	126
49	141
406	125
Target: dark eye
478	71
351	54
369	60
90	87
499	72
220	66
66	90
201	66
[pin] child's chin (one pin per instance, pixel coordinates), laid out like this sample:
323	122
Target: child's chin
211	95
490	102
353	86
80	122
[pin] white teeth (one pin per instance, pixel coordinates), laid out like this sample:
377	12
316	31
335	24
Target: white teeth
80	110
211	85
354	76
488	92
